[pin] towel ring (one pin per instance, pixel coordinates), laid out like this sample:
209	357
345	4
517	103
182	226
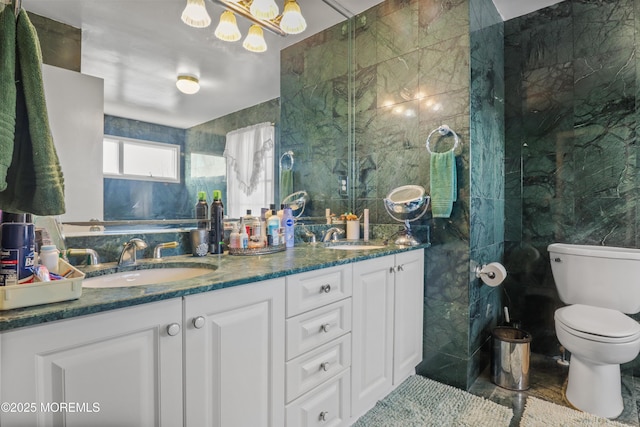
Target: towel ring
443	130
288	154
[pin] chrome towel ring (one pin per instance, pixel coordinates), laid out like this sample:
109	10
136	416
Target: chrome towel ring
288	154
443	130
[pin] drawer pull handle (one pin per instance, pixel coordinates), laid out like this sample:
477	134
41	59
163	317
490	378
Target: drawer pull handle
324	366
325	288
173	329
323	416
325	327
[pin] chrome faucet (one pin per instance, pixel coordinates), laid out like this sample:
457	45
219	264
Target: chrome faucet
92	255
157	251
331	235
128	254
308	233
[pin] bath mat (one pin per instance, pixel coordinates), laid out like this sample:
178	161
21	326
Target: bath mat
420	402
539	413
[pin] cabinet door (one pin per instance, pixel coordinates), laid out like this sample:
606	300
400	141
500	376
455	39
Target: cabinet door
372	332
234	356
120	368
408	314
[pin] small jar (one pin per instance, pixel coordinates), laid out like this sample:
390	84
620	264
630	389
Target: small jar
49	256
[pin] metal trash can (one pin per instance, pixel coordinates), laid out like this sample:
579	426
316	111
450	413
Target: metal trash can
510	358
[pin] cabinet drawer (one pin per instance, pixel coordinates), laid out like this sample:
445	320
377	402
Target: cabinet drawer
325	406
313	368
313	289
317	327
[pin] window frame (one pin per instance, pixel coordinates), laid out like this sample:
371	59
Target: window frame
122	141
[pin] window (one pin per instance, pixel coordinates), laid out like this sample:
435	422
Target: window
208	166
143	160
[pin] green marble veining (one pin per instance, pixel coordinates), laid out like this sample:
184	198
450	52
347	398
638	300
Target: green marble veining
227	271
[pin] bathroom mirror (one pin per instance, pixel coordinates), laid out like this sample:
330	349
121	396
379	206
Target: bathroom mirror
229	76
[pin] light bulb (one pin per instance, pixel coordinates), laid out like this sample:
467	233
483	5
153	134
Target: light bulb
254	41
195	14
292	20
264	9
227	28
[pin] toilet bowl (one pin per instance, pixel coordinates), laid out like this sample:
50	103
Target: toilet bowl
599	340
598	282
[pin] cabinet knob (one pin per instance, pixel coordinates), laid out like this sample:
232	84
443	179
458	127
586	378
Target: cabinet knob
173	329
325	327
198	322
323	416
401	267
392	270
324	366
325	288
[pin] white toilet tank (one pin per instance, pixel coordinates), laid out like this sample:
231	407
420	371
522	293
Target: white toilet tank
601	276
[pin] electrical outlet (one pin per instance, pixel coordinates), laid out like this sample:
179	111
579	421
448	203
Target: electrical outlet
343	185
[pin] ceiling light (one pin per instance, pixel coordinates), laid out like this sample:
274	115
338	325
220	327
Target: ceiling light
227	29
264	9
188	84
254	41
292	20
195	14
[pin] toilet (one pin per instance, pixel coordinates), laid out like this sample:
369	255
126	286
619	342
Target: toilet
600	284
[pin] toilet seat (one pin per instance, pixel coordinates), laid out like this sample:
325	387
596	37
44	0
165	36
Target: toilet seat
597	324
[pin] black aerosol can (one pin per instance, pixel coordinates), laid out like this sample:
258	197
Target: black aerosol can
216	233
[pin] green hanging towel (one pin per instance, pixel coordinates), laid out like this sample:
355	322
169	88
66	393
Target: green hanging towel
34	180
444	183
286	182
7	90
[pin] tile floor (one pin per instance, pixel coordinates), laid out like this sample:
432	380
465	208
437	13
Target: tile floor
546	380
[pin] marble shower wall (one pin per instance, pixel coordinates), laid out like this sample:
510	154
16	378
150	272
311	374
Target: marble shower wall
410	63
571	164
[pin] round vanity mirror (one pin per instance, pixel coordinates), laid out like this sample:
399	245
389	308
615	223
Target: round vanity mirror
296	201
406	204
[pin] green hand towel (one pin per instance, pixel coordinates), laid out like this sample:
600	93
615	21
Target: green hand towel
286	182
7	90
444	183
34	179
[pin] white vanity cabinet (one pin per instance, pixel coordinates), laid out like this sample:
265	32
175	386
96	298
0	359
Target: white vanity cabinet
121	367
318	349
387	325
234	356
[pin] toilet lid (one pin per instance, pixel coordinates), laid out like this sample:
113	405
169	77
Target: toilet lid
597	321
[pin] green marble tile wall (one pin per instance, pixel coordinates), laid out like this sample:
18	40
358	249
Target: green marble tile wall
411	73
571	125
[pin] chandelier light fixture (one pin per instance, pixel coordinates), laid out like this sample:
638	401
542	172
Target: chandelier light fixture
265	15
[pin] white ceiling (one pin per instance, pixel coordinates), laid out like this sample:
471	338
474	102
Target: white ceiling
140	46
509	9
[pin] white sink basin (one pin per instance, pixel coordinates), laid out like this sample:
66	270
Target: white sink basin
144	277
347	247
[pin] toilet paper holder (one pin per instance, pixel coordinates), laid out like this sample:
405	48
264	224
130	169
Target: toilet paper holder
479	272
492	274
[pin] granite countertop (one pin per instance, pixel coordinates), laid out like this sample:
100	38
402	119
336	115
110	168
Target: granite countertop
227	271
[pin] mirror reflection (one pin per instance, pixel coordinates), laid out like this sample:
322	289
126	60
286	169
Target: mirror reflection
139	62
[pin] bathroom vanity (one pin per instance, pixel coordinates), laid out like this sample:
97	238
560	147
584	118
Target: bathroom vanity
306	337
